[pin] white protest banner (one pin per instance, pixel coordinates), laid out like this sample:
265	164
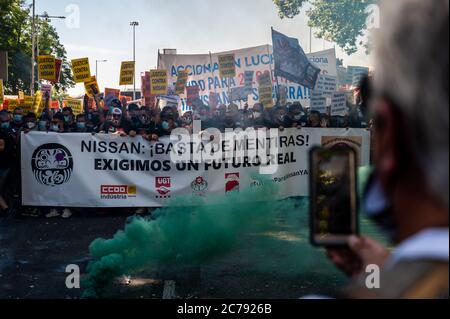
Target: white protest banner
203	70
339	104
85	170
327	84
357	73
318	102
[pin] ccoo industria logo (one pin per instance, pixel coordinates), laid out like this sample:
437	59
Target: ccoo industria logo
52	164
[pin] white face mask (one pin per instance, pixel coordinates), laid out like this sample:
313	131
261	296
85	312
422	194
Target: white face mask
55	128
31	125
297	117
257	115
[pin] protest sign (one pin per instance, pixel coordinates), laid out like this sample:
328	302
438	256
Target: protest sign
75	105
145	85
88	86
46	88
12	105
58	65
2	94
81	70
180	86
227	67
339	104
291	61
192	93
357	73
282	95
127	70
248	81
326	84
110	95
46	68
158	82
318	102
21	95
203	71
266	95
54	104
128	174
27	104
239	94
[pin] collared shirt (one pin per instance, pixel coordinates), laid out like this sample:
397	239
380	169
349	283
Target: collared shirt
431	244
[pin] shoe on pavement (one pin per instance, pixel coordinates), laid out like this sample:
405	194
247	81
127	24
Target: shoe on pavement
66	213
53	213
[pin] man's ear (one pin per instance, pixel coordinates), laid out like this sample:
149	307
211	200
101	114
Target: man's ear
387	143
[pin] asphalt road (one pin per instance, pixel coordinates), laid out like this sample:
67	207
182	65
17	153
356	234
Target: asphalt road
34	253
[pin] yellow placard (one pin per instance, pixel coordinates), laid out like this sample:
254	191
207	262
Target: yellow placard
159	82
127	73
88	86
2	94
21	95
46	68
227	66
266	95
37	102
27	104
180	86
75	105
81	70
12	105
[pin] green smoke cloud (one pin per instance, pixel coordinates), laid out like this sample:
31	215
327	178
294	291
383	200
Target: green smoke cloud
188	232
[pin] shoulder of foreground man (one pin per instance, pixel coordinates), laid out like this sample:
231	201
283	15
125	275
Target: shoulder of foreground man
418	279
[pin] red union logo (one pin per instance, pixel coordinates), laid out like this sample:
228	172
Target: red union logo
114	189
162	185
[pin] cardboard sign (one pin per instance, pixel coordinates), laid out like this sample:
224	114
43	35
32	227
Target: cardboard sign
339	104
192	93
180	86
127	73
81	70
58	64
12	105
159	82
88	86
110	95
46	68
2	94
318	102
248	81
239	94
227	66
75	105
326	84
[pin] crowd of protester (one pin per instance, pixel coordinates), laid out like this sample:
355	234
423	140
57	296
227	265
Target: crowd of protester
151	123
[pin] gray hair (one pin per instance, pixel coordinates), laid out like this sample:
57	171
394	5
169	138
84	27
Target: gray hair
411	67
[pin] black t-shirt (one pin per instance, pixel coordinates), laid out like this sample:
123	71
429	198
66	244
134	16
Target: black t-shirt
7	156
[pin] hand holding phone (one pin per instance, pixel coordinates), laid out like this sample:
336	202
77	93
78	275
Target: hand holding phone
333	196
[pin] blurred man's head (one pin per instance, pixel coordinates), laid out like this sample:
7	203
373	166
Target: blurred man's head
411	112
18	115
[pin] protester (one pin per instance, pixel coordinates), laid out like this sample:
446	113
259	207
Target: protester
408	195
6	156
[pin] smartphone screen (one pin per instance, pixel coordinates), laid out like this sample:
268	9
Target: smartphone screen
333	198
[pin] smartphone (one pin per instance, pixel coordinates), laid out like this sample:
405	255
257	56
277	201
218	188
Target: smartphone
333	196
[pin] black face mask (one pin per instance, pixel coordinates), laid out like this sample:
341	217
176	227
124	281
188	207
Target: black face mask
377	207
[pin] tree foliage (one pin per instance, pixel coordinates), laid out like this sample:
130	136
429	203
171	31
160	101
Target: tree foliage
340	21
15	38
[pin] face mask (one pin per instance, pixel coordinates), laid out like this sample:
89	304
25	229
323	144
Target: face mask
281	118
4	125
18	118
257	115
66	119
81	125
165	125
30	125
55	128
297	117
378	208
42	126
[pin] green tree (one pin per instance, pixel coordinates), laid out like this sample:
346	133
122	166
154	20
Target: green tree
15	38
340	21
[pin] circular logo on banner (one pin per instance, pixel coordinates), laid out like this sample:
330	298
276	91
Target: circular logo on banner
52	164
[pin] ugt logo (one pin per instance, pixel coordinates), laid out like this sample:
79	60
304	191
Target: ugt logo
52	164
162	186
